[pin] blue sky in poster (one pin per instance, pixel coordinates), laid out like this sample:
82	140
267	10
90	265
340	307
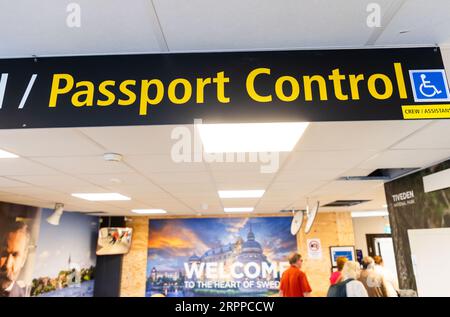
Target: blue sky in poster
75	236
173	241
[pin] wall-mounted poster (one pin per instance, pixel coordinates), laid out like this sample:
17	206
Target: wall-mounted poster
345	251
412	207
19	227
218	256
65	256
314	249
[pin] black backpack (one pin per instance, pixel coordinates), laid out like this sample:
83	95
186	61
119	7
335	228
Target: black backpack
339	289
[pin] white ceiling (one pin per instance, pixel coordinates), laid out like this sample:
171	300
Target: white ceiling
54	163
39	28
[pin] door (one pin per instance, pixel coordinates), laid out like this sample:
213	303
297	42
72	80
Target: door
385	248
382	245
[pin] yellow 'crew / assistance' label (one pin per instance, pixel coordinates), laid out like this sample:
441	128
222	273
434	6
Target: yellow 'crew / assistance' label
426	111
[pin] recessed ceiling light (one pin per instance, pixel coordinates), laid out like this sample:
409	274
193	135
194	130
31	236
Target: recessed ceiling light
115	180
251	137
241	193
101	196
112	157
376	213
238	209
5	154
149	211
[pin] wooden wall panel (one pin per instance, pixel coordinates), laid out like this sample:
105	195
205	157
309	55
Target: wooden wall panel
332	228
134	265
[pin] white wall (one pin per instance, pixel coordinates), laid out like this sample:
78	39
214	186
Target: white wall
431	259
445	52
367	225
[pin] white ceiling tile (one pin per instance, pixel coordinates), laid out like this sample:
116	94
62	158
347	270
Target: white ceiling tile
153	198
61	182
196	24
212	208
84	165
107	26
201	189
434	136
276	205
242	180
344	188
148	164
21	166
86	206
260	163
115	180
179	178
405	159
10	182
362	135
327	159
175	207
47	142
426	22
21	200
376	192
241	202
302	175
269	208
296	188
357	172
39	193
199	200
138	190
127	205
136	140
94	210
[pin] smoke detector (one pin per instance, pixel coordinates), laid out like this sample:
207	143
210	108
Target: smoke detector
112	157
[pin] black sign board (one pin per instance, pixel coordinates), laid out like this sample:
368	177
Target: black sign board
276	86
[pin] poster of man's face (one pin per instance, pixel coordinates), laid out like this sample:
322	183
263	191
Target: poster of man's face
13	256
16	226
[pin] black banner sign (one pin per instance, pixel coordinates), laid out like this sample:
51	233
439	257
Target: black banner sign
156	89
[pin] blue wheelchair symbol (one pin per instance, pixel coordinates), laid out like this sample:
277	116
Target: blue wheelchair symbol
429	85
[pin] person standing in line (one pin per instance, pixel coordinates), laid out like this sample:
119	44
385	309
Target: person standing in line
372	281
336	277
350	286
294	282
389	280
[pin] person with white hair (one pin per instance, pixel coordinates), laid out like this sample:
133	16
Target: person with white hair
389	280
349	286
372	280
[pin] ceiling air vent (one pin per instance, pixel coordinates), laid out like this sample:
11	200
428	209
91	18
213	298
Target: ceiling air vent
345	203
384	174
292	210
95	213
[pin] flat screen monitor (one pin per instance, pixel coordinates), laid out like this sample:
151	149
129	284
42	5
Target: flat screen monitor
114	240
344	251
